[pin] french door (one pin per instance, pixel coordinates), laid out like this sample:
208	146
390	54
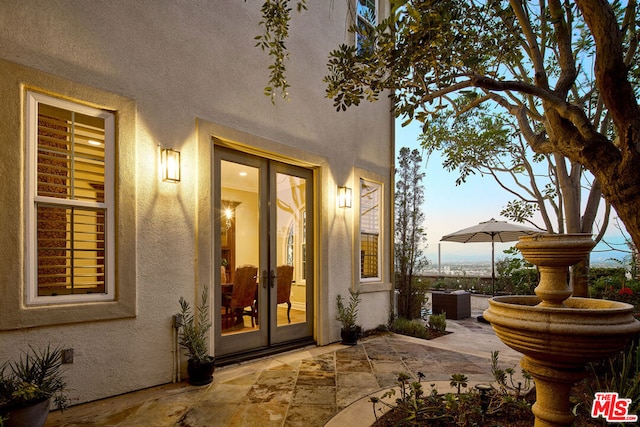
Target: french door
264	216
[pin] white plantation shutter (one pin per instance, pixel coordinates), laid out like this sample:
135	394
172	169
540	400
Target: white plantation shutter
71	156
72	211
369	229
369	207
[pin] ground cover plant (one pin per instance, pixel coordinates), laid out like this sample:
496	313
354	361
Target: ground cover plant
507	402
436	327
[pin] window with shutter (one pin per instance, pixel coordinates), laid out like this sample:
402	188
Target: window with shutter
369	230
70	201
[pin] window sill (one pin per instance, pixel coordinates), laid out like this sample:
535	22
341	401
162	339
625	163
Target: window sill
365	287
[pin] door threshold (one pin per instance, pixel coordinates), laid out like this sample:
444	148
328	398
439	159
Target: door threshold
241	357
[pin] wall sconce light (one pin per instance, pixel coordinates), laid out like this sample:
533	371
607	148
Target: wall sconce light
170	164
344	197
228	214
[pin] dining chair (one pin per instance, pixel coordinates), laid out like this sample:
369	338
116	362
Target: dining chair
243	294
284	279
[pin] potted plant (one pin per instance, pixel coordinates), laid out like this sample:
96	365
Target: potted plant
347	315
28	385
194	329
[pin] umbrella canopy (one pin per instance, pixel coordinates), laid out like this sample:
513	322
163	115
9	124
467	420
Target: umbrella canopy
490	231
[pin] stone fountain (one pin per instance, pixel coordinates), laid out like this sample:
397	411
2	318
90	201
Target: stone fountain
558	334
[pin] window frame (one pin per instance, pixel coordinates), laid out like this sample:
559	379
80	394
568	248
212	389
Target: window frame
380	216
32	100
364	19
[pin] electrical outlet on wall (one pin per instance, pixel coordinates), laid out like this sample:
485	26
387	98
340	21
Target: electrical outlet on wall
177	321
67	355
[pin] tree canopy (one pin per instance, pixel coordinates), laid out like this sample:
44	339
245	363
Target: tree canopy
565	72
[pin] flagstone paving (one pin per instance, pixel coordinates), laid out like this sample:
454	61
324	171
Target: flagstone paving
311	387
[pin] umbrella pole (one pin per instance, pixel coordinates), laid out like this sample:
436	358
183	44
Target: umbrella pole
493	270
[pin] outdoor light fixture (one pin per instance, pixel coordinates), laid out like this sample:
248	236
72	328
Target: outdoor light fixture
484	399
344	197
170	164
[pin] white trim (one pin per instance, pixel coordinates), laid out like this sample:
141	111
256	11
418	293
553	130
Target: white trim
31	120
380	196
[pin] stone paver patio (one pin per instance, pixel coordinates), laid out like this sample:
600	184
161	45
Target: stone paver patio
311	387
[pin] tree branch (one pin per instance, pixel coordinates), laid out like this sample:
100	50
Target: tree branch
533	48
566	61
591	209
611	71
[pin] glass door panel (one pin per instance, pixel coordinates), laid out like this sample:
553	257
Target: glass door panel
241	324
291	249
292	216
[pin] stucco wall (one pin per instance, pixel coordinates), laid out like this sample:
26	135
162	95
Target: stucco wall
185	71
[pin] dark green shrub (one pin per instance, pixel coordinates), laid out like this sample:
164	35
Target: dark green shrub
524	281
415	328
516	276
438	322
605	282
613	284
414	300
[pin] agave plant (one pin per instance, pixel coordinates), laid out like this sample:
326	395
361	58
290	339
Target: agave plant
35	377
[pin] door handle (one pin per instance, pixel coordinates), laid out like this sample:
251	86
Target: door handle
265	278
273	279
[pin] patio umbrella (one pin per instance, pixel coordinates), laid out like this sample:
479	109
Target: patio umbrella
490	231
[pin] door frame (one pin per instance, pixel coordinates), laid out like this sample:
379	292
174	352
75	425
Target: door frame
270	338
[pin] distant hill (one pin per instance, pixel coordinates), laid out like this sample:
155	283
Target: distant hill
611	253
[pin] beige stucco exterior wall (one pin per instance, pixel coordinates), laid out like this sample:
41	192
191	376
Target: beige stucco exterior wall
178	73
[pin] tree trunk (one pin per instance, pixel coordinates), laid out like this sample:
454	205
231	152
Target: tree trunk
620	187
410	302
580	278
616	166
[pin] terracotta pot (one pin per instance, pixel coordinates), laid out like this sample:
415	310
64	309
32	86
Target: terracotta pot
200	373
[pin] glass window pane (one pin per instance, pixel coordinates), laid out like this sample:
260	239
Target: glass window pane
367	10
291	247
369	229
71	154
69	256
70	252
368	255
240	228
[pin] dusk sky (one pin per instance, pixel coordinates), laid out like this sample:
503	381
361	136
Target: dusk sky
449	208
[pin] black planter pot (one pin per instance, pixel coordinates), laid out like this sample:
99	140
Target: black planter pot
349	336
200	373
